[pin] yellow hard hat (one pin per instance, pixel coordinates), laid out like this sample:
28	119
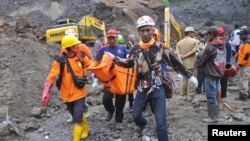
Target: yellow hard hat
69	41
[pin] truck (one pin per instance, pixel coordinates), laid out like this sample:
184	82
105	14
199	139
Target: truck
173	30
87	29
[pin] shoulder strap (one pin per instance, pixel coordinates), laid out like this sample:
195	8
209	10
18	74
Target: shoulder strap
82	55
60	59
68	65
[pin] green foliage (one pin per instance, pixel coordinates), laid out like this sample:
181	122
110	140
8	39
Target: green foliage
166	3
176	2
179	2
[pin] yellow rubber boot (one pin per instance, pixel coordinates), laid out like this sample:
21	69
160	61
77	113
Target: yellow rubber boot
78	130
85	126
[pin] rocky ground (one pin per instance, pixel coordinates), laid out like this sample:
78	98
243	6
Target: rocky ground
25	60
225	13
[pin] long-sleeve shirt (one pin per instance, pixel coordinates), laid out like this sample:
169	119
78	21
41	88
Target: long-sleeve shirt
213	59
186	46
154	58
68	91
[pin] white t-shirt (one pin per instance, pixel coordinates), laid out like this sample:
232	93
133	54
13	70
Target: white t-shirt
236	38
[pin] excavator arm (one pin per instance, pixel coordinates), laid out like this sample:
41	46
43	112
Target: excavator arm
94	25
172	29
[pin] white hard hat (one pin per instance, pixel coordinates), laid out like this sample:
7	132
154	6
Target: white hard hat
189	29
145	20
70	31
243	27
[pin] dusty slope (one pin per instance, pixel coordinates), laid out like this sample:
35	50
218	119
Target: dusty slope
224	12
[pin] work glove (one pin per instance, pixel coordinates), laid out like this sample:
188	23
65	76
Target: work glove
179	77
95	83
92	76
110	55
193	81
46	96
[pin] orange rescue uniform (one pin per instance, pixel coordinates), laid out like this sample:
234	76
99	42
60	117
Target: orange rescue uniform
68	91
243	51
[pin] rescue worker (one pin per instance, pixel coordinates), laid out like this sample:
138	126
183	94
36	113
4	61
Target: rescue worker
98	43
244	65
235	39
200	71
120	100
157	34
186	50
214	62
83	50
73	96
121	41
157	37
131	41
224	79
147	89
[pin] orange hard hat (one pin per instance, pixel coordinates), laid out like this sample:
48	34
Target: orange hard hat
157	34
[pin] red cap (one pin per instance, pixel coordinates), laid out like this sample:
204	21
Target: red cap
112	32
221	31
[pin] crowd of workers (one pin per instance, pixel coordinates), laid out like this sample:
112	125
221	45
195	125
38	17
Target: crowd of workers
209	55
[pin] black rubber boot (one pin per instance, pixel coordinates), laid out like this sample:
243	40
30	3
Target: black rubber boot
109	116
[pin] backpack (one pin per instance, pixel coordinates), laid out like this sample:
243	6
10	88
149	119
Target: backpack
165	78
78	81
60	59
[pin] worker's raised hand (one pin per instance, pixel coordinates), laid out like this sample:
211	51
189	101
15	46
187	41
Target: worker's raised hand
46	96
110	55
193	81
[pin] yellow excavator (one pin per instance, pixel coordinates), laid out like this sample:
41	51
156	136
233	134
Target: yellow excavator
87	29
173	30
